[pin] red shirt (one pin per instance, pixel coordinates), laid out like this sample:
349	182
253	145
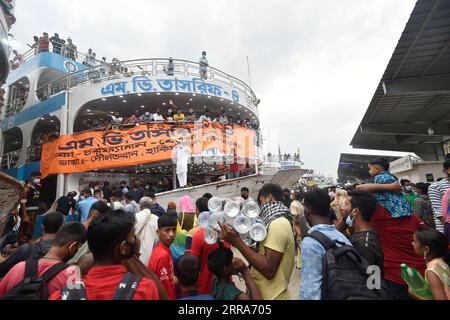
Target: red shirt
202	250
234	167
101	284
396	236
44	43
16	274
162	265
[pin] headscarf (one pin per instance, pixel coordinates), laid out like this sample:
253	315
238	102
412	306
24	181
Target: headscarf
274	210
186	204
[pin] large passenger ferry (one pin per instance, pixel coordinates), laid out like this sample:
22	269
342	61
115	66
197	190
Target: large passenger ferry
65	116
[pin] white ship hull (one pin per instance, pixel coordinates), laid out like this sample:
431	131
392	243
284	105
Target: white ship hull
232	188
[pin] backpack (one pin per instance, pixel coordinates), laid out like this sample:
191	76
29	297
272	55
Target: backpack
125	290
34	287
344	273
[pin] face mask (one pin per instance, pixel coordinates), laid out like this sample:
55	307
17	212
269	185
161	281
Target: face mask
408	189
147	113
349	221
36	181
82	198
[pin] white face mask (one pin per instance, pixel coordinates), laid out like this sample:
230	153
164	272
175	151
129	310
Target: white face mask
36	181
349	221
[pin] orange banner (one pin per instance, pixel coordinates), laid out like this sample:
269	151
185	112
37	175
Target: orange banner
142	144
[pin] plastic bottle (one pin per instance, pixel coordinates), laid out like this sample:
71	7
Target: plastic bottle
416	282
203	219
215	204
215	218
251	209
242	224
211	236
232	208
258	231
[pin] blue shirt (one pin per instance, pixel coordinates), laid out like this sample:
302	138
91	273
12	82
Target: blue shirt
84	207
395	203
312	259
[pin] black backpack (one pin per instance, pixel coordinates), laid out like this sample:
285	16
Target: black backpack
344	273
125	290
34	287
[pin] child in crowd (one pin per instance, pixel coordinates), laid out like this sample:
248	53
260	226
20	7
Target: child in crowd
222	264
396	203
161	260
432	245
187	270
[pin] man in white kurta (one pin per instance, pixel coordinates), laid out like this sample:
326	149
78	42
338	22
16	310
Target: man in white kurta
181	155
145	229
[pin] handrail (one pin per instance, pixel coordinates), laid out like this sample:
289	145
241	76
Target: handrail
9	160
140	66
13	107
31	53
34	153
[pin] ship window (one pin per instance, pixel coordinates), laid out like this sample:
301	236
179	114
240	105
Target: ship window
12	144
45	130
17	96
50	82
12	140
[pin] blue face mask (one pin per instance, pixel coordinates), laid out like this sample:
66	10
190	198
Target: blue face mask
349	220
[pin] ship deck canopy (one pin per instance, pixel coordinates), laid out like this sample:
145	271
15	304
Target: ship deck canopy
353	167
410	110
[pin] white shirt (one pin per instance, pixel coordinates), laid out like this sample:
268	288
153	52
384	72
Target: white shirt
117	120
245	201
145	228
296	208
203	63
157	117
221	119
116	205
204	118
181	155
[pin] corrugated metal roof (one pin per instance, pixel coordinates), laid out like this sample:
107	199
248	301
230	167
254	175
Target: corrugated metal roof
423	51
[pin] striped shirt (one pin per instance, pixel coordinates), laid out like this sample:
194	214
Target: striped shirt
436	192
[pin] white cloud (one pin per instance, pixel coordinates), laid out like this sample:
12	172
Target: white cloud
315	64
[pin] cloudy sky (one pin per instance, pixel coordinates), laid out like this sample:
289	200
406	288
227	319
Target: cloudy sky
315	64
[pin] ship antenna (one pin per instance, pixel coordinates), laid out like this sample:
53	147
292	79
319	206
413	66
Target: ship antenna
248	68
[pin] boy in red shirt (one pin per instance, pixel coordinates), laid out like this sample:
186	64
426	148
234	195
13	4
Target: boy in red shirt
201	250
112	241
161	261
66	243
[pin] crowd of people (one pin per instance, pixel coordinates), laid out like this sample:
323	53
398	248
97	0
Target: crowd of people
283	157
118	121
8	8
123	238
